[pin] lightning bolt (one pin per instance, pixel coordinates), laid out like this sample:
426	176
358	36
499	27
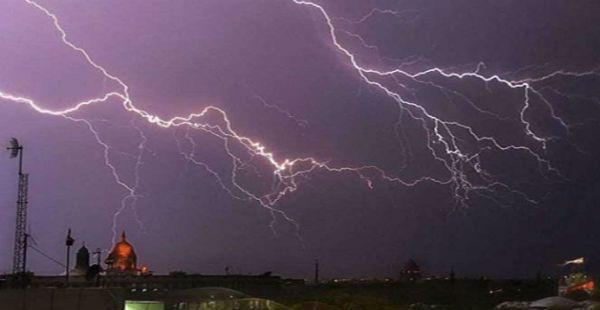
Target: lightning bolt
443	136
299	122
410	14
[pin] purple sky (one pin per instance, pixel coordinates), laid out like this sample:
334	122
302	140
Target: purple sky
273	68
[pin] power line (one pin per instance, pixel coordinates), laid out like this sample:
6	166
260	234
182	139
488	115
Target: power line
47	256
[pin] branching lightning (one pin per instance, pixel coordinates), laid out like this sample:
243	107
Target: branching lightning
442	134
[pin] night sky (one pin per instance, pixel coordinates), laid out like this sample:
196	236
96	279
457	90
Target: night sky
506	155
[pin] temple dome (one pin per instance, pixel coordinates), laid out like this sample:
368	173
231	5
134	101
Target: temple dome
122	258
83	259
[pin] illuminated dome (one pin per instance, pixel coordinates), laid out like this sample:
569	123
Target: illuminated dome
122	258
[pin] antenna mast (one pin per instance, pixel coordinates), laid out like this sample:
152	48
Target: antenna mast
20	250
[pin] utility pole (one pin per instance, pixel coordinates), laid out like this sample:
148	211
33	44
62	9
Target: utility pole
20	249
69	242
316	271
98	252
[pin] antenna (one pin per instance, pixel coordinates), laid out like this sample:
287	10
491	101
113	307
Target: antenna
14	147
20	249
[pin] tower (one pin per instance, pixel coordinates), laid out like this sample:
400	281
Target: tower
20	249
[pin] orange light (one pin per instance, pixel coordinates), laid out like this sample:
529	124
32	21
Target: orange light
587	286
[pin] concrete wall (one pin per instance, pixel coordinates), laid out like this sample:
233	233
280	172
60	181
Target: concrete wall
67	299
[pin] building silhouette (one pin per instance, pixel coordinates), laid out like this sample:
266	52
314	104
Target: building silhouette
123	285
410	272
82	263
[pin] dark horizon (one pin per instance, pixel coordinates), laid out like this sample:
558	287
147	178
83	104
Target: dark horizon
486	165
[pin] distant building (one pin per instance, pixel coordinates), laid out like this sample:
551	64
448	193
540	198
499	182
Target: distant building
122	285
576	280
410	272
122	258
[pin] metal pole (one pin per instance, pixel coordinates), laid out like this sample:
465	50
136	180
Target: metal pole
67	268
98	260
25	260
316	271
69	242
21	160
